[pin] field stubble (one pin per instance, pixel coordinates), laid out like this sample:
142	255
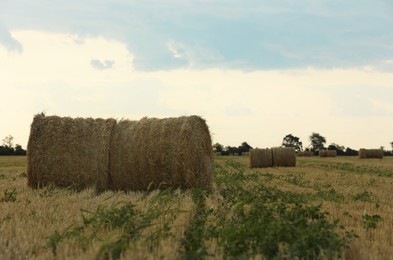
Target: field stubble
69	223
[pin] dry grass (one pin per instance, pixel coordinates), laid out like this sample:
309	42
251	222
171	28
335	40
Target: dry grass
66	151
346	187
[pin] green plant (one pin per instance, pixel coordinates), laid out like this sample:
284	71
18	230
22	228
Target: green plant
193	244
364	196
370	221
9	196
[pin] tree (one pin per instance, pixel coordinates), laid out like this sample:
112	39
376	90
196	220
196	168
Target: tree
244	147
218	148
317	142
19	150
351	152
7	141
391	143
292	141
339	148
230	150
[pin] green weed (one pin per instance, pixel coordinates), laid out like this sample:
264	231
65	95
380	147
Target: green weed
9	196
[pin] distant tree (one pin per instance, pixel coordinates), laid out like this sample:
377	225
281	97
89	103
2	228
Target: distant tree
351	152
292	141
8	141
243	148
339	148
391	143
6	150
19	150
230	150
218	148
317	142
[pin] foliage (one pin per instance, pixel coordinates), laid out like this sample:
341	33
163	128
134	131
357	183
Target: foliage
338	148
317	142
9	196
370	221
126	218
218	148
292	141
262	221
8	148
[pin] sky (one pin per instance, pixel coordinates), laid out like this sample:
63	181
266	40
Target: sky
256	70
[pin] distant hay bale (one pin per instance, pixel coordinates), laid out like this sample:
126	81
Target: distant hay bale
260	158
284	157
65	151
305	154
331	153
171	152
323	153
370	153
362	153
245	153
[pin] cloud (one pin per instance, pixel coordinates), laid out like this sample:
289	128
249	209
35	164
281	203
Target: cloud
259	34
10	43
106	64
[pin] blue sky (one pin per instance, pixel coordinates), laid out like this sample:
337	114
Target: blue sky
256	70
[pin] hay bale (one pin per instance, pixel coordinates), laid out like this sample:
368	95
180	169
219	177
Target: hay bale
284	157
65	151
260	158
308	154
331	153
370	153
362	153
300	154
323	153
171	152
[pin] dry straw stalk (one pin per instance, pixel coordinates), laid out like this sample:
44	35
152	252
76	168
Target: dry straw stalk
65	151
260	158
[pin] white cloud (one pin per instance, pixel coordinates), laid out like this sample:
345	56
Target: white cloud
54	74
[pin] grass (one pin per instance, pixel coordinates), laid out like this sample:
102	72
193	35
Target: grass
323	208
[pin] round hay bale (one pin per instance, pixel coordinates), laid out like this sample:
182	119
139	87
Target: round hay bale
331	153
370	153
65	151
158	153
308	154
362	153
284	157
300	154
260	158
323	153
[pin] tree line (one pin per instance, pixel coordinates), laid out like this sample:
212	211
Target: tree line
8	147
317	143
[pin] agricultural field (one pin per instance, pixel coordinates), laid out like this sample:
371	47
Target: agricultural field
325	208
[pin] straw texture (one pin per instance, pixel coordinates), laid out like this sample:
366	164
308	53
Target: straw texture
65	151
152	153
284	157
260	158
